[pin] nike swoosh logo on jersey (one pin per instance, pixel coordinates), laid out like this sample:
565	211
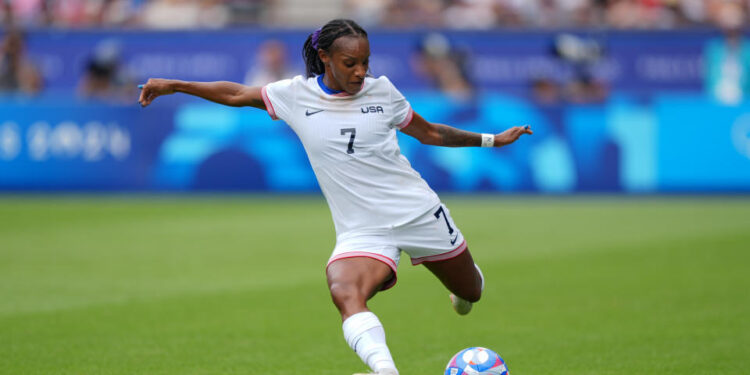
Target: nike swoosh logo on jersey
308	113
453	241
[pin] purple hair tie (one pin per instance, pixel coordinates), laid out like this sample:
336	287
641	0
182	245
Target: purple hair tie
315	36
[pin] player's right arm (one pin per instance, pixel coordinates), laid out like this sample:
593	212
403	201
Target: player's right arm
222	92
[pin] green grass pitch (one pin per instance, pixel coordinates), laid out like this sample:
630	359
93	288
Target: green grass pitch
210	285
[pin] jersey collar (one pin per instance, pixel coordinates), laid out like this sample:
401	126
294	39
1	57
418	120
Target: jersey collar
327	89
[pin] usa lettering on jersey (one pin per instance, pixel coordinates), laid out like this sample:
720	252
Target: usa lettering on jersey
372	109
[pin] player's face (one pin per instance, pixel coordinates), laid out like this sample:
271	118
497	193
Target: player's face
347	64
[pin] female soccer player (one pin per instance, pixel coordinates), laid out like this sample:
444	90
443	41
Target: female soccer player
347	122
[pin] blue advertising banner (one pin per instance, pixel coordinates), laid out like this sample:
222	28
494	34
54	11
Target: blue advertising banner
70	145
674	143
702	146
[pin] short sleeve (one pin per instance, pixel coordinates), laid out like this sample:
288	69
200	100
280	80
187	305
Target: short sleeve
279	98
402	112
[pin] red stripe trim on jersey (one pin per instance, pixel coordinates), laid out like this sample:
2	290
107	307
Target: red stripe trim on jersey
407	120
444	256
269	106
354	254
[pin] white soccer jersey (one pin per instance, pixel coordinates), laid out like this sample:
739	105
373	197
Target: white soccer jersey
352	146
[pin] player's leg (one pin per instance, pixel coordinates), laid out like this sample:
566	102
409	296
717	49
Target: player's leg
353	281
435	241
460	276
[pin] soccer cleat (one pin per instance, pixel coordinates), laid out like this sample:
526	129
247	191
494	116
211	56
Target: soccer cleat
461	305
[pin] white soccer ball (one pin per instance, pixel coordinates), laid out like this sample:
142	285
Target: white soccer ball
476	361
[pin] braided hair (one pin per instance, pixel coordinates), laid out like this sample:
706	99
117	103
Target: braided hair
323	38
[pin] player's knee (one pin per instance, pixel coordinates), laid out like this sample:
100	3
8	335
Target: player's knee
471	294
344	294
474	295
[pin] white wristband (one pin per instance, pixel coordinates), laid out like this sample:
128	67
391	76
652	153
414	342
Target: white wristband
488	140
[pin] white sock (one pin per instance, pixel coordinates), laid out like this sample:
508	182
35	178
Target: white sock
365	334
481	276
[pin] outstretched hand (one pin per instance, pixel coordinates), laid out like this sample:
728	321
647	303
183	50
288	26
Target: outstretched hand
154	88
511	135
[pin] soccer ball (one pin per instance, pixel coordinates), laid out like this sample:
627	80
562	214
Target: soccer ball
476	361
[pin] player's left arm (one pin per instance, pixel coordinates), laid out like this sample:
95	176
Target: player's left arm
444	135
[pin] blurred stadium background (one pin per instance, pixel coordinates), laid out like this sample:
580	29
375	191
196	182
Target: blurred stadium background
615	237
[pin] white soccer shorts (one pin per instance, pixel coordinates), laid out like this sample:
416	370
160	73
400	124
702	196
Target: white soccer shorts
430	237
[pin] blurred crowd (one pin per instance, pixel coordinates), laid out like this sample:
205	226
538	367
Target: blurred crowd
455	14
152	14
486	14
442	65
